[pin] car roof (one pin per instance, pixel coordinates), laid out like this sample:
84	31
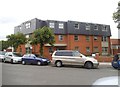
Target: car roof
66	50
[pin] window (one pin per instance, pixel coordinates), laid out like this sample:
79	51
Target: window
50	50
61	26
87	49
95	38
87	27
60	37
104	38
87	38
104	49
20	28
95	27
76	38
51	25
76	53
104	28
63	54
95	49
27	25
76	48
76	26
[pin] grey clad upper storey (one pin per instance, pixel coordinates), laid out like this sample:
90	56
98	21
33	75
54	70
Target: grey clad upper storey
62	27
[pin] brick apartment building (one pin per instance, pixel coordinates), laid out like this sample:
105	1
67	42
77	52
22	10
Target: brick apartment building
115	46
85	37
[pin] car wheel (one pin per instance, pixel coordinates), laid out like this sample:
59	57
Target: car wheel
38	63
11	61
4	61
115	67
88	65
58	63
23	62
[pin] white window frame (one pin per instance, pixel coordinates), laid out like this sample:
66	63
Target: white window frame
77	25
87	27
95	27
95	38
77	38
52	25
87	38
60	37
61	26
104	28
27	25
104	39
87	49
104	49
20	28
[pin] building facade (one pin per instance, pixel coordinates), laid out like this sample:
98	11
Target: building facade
85	37
115	46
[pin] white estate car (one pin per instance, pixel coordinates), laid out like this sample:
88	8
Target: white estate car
70	57
12	57
2	54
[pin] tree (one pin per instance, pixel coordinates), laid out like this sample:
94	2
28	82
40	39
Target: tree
116	15
3	45
43	36
15	40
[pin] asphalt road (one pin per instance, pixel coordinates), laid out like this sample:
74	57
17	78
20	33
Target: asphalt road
17	74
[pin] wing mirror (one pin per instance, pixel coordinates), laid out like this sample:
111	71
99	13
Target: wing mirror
80	56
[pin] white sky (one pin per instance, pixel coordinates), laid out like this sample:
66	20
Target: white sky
14	12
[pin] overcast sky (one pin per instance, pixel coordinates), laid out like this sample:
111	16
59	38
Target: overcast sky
14	12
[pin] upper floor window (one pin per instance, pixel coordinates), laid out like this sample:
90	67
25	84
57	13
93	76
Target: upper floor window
61	26
95	38
76	37
27	25
87	38
104	28
104	38
60	37
20	28
95	27
51	25
87	27
76	26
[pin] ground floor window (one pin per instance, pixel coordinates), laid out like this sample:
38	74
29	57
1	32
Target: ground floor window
76	48
50	50
104	49
87	49
95	49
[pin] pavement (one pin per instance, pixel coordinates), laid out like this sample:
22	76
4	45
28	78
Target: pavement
105	63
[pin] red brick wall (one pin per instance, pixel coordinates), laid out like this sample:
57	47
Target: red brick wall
71	43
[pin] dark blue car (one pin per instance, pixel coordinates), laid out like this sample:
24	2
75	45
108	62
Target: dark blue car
116	61
33	59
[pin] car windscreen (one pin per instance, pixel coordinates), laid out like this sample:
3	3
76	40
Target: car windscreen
2	53
17	54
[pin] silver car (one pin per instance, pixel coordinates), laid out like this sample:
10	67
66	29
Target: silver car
2	54
12	57
69	57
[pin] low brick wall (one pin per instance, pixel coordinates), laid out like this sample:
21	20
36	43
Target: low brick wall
104	58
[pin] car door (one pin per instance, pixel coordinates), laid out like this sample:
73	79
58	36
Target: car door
78	58
8	57
68	58
32	59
